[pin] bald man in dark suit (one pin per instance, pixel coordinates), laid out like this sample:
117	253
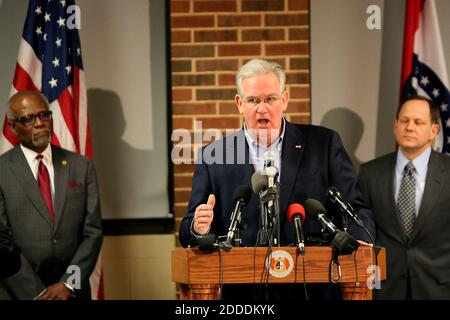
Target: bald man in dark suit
49	200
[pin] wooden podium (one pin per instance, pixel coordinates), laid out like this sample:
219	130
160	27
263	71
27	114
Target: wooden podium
200	274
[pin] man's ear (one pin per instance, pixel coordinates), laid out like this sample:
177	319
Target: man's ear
285	99
12	127
238	100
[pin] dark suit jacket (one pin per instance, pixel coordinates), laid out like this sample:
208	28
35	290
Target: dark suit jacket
9	255
47	247
426	256
313	159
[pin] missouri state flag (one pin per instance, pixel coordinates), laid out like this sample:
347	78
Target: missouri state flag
424	71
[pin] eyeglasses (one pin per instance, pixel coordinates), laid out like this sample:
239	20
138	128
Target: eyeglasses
31	118
255	101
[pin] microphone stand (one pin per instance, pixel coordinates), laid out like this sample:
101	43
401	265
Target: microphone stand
270	214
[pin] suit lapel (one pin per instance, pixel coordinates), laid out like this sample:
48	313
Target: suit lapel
28	182
390	216
434	182
61	167
292	152
238	147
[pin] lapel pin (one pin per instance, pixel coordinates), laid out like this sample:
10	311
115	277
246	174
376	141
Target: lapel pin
64	162
298	146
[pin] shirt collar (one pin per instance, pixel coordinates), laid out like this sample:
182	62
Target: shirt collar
30	155
251	140
420	163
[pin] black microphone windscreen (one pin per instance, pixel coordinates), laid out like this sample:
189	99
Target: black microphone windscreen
259	182
206	242
313	207
243	193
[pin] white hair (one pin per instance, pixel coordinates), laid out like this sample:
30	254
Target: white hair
256	67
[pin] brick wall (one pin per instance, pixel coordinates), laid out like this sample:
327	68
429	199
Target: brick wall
210	40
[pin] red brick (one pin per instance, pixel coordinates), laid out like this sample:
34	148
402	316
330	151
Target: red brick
227	79
181	65
215	36
298	106
239	50
190	21
184	168
299	34
238	20
192	51
215	6
299	63
180	210
287	49
179	6
216	94
263	34
220	123
217	65
181	94
193	108
298	5
228	108
183	182
180	36
181	123
294	19
299	93
297	78
262	5
192	79
182	196
301	119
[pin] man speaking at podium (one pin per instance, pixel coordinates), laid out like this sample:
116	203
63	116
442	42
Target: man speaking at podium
309	159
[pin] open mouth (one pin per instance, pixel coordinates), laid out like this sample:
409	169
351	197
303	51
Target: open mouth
263	122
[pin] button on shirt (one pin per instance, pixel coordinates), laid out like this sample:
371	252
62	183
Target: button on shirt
30	155
257	152
421	165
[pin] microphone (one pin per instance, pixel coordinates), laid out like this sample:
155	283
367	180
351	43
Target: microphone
259	182
316	210
269	168
296	214
343	242
335	196
241	195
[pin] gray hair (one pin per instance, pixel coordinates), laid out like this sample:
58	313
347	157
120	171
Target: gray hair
256	67
9	112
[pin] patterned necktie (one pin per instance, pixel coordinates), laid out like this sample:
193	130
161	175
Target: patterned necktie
406	203
44	186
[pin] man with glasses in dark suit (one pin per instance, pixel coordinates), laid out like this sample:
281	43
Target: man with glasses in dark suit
49	200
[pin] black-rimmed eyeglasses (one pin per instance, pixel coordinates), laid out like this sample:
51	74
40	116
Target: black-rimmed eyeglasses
31	118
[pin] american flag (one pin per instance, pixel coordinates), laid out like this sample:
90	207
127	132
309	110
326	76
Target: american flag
424	70
50	61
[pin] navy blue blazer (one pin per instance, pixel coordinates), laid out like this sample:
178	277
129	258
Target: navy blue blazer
313	159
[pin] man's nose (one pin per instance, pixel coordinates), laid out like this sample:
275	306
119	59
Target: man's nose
261	107
409	125
38	122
